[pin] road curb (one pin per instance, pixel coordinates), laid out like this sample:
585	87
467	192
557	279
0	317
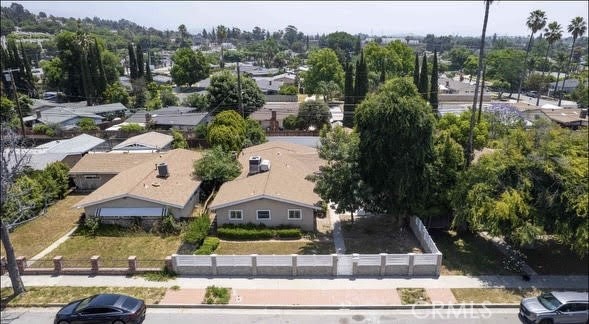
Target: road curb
305	307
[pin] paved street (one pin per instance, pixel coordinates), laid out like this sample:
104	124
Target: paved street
244	316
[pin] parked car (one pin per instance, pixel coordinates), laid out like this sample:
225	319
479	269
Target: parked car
103	308
555	307
532	94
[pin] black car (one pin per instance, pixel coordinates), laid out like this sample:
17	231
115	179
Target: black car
103	308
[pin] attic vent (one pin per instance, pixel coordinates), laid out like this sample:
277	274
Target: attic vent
155	184
162	170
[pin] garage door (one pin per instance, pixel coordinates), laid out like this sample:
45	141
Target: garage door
131	211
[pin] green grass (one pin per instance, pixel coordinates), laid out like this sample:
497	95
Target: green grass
47	295
468	254
36	235
114	245
217	295
162	275
274	247
413	296
550	257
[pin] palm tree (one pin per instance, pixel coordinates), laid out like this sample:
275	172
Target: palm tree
470	154
221	35
552	34
577	28
536	21
561	58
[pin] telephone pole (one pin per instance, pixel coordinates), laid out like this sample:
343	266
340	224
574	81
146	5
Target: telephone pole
239	99
10	76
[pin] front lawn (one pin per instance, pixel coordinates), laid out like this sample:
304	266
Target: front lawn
33	237
413	296
494	295
275	247
468	254
550	257
47	295
114	245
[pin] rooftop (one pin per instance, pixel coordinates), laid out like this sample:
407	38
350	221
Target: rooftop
106	163
153	140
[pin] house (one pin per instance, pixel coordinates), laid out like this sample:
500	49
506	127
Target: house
271	115
268	85
569	86
571	118
68	151
67	115
96	169
272	188
184	118
150	190
146	142
285	78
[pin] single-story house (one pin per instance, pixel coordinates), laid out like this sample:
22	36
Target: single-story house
285	78
571	118
268	85
151	141
272	188
184	118
95	169
271	115
569	86
150	190
69	114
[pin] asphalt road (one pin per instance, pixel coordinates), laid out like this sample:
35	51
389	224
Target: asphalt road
276	316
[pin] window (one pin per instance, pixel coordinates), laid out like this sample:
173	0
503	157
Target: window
263	214
295	214
235	214
91	177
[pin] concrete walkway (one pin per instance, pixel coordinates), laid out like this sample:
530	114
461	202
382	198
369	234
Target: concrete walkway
51	247
336	229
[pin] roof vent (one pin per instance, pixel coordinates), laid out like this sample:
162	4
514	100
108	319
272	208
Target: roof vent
254	164
265	166
583	114
162	170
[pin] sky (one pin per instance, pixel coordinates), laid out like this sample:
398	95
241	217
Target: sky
394	18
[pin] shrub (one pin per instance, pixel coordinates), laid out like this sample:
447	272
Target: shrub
92	224
292	233
197	230
131	128
217	295
168	225
163	275
208	246
257	232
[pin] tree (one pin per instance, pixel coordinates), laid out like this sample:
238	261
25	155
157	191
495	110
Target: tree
222	93
132	62
416	71
458	55
339	181
221	35
288	89
361	81
184	41
458	127
349	97
506	65
395	127
215	168
423	79
394	59
290	122
577	28
433	98
189	67
323	66
552	34
148	75
111	65
254	134
342	44
140	64
313	114
11	167
471	65
470	152
535	22
329	90
87	124
227	130
131	128
196	100
116	92
178	140
52	73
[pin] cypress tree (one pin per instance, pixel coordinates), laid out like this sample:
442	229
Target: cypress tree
140	67
433	97
132	62
361	87
148	76
86	79
349	96
99	71
423	79
416	71
26	65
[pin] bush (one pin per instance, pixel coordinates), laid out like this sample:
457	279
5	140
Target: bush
257	232
197	230
92	224
292	233
168	225
209	245
217	295
132	128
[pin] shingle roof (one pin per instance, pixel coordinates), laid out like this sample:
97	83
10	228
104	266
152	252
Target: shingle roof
75	145
282	110
141	182
169	116
152	140
100	109
290	164
59	115
106	163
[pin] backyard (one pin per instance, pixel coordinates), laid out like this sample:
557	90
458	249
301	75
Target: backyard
33	237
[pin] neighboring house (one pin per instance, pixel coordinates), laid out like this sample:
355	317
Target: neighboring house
183	118
151	141
95	169
68	151
268	85
285	78
257	71
571	118
271	115
279	196
69	114
150	190
569	86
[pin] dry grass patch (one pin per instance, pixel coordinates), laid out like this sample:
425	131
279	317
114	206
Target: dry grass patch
47	295
274	247
377	234
413	296
495	295
36	235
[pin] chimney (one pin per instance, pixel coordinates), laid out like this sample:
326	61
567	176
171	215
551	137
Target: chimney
273	115
38	112
147	118
583	114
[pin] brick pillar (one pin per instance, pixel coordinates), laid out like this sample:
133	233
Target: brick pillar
383	264
57	264
132	260
254	265
438	263
334	265
94	263
294	264
355	257
168	263
213	264
411	264
2	266
21	263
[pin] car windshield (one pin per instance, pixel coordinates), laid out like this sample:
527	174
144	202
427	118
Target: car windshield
549	301
84	303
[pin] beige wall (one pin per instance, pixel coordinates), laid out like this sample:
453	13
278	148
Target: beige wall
278	214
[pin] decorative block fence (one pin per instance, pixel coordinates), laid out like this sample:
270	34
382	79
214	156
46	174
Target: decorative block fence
393	265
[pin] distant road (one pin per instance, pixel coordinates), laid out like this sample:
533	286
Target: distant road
272	316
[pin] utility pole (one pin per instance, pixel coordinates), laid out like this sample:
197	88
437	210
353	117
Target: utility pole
15	94
239	99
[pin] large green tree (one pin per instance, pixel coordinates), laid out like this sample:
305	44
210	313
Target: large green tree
313	113
227	130
216	167
323	66
222	93
576	28
423	79
189	67
395	127
361	80
349	97
434	87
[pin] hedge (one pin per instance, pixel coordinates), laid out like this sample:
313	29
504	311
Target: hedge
209	246
257	232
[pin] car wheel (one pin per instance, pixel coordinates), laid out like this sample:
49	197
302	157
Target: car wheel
546	321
